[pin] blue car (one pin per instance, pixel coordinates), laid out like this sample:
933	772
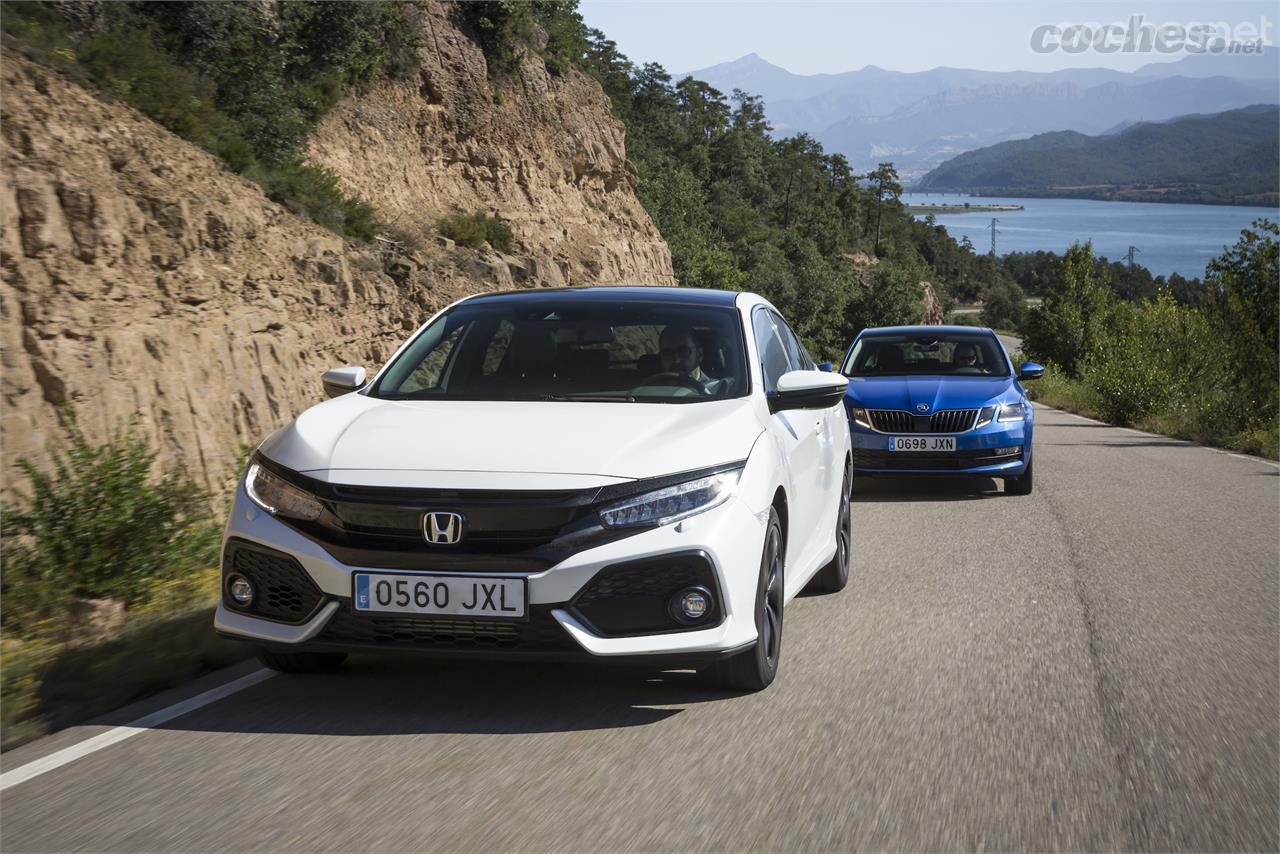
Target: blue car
939	400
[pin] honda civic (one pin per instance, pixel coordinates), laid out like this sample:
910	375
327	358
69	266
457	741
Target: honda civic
636	474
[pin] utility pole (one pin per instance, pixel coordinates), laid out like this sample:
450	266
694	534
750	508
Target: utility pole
994	232
1133	250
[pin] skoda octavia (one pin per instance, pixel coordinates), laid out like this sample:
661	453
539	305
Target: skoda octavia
610	473
941	400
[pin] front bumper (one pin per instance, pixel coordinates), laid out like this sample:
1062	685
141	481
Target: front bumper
975	454
729	537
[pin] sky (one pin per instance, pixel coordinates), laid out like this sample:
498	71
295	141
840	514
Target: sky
809	37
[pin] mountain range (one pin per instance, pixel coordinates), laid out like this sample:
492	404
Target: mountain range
1227	158
920	119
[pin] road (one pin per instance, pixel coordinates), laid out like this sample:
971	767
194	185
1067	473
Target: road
1094	666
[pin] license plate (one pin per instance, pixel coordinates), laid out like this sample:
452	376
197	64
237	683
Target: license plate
442	595
922	443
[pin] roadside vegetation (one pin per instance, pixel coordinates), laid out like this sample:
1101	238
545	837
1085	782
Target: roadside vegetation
1204	370
245	81
109	582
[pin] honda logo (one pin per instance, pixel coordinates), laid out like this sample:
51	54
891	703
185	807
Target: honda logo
442	529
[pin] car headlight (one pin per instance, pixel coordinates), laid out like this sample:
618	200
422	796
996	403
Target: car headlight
860	416
672	503
279	497
1013	412
985	416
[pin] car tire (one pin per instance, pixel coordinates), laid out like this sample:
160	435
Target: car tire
833	577
754	669
300	662
1020	485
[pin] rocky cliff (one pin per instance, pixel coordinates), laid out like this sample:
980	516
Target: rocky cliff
541	151
139	279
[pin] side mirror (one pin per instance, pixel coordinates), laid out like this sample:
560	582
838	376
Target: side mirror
340	381
808	390
1030	371
827	367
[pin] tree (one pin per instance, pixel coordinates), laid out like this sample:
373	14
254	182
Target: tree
1068	325
1006	305
1244	303
884	182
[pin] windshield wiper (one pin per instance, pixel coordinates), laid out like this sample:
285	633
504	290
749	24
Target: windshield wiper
591	398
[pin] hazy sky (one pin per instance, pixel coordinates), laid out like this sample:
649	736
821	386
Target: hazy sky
810	37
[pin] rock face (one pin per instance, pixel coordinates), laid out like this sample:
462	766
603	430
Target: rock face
543	152
141	280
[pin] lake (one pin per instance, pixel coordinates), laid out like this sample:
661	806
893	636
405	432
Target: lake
1170	238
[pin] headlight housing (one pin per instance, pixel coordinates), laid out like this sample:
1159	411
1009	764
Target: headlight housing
279	497
672	503
985	415
860	416
1013	412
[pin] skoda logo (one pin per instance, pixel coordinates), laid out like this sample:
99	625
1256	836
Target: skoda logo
922	407
442	529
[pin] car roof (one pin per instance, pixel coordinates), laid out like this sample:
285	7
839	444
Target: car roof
626	293
923	329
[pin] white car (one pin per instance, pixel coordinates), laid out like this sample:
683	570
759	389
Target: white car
611	473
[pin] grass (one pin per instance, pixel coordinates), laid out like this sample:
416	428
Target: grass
50	681
1061	392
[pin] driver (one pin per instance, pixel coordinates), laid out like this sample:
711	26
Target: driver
966	356
681	354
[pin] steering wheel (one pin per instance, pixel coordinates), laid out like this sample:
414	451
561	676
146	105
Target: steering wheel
671	378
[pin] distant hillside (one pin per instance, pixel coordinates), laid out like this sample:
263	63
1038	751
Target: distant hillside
1228	158
921	119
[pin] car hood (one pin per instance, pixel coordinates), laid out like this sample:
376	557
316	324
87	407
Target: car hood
907	393
506	445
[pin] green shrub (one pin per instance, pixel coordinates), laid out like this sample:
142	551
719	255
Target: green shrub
313	191
476	229
98	525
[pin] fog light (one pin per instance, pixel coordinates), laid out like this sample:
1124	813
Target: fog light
693	604
241	590
1007	452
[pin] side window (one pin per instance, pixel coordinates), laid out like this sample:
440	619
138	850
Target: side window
796	354
773	355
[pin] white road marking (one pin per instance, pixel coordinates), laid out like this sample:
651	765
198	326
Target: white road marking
1227	453
55	760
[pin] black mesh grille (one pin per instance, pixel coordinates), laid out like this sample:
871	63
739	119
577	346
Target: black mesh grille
394	631
637	582
284	591
944	421
635	598
927	459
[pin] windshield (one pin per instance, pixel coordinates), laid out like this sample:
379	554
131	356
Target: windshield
558	349
946	354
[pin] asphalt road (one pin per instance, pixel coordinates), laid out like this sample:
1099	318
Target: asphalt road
1094	666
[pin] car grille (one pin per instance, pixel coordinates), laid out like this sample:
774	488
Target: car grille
867	459
284	591
943	421
541	633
